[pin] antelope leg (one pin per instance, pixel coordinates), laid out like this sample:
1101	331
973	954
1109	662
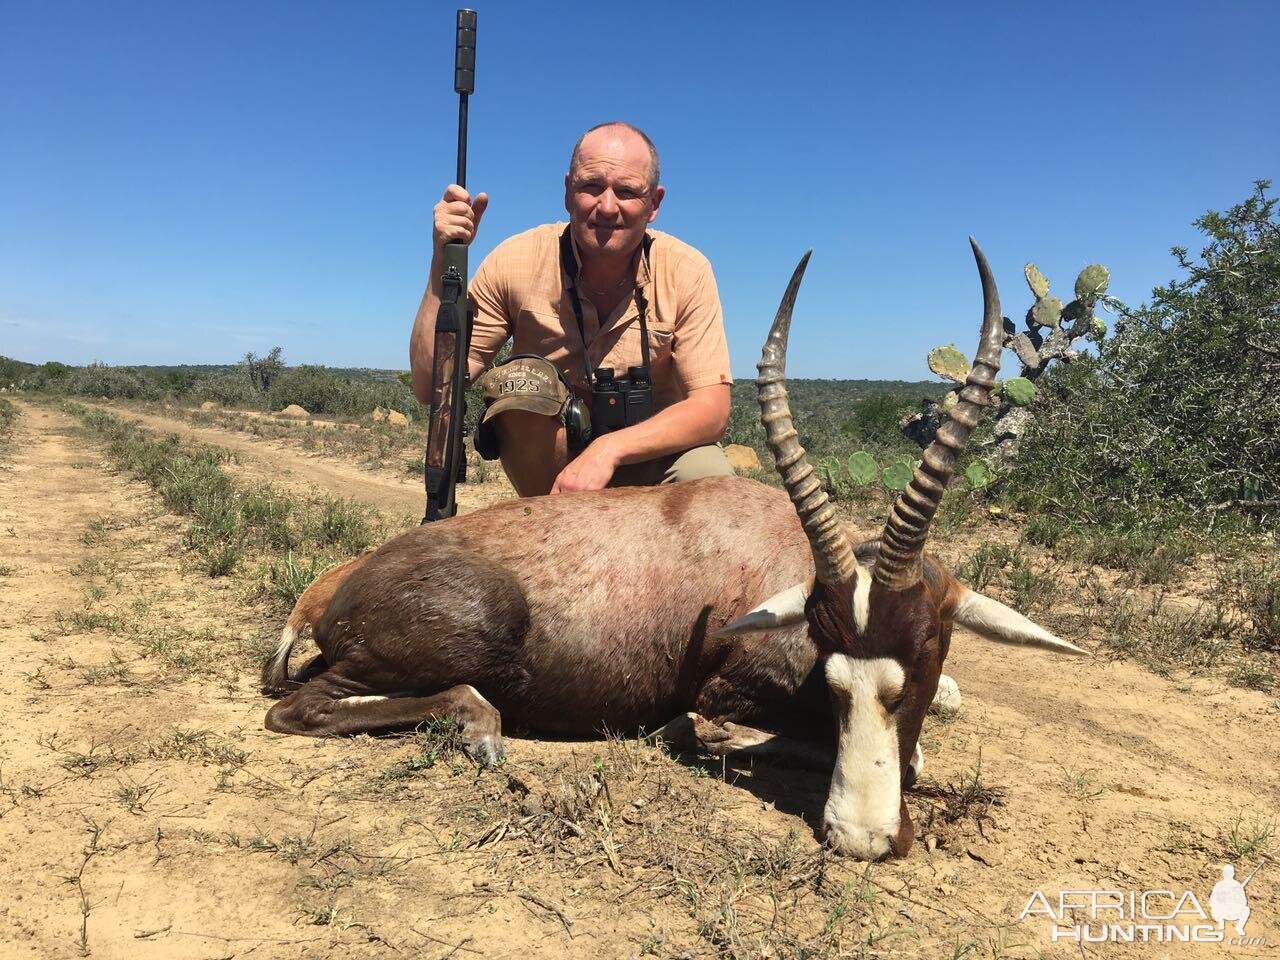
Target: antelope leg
692	731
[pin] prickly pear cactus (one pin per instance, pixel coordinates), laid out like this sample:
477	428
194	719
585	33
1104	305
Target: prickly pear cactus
862	468
1076	311
1019	391
829	472
1052	332
980	473
950	363
1036	280
1045	312
1092	282
897	475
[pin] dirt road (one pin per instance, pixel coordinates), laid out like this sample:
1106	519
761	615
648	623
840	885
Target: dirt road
394	492
145	813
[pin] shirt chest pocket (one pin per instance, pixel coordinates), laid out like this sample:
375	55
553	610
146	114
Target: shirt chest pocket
660	344
624	349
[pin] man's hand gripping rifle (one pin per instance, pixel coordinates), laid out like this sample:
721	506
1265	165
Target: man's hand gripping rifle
445	459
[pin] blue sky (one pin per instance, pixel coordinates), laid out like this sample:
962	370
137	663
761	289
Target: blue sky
184	182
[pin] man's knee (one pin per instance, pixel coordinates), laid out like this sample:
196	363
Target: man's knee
533	448
705	461
524	428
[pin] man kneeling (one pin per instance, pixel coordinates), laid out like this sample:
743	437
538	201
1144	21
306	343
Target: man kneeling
612	323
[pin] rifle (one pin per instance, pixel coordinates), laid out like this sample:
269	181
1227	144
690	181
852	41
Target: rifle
445	463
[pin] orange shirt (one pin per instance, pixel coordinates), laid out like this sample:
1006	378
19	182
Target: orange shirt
521	291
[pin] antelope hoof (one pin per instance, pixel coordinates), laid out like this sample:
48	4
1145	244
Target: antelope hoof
947	699
677	734
486	750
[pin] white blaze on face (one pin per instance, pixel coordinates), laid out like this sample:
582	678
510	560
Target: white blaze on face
861	816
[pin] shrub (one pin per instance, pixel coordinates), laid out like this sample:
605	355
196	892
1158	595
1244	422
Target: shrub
263	371
1177	420
876	417
318	390
113	383
8	417
1254	588
232	389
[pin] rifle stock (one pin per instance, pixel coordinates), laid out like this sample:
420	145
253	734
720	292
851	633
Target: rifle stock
444	464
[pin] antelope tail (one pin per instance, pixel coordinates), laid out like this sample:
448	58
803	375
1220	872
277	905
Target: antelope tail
275	672
992	620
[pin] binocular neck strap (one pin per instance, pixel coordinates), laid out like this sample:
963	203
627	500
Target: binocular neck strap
569	264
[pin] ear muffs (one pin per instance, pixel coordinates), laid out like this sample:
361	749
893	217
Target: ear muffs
577	423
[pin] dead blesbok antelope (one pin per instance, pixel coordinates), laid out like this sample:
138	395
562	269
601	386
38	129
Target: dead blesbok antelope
622	609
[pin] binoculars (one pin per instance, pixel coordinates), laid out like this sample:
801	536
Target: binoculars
618	402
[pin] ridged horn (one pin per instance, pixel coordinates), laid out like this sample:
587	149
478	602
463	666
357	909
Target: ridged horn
832	555
902	542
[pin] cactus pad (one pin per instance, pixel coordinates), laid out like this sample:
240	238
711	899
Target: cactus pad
1092	282
949	362
979	474
829	470
1019	391
1036	280
949	401
1075	311
1098	328
897	475
1046	312
862	468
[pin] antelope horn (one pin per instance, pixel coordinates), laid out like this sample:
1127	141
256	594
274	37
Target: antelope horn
902	542
832	555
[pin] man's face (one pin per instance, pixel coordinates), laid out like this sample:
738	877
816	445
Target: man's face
607	193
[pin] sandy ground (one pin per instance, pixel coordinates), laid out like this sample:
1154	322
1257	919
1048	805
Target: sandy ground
144	812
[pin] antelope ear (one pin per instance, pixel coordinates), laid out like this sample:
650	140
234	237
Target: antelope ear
784	609
992	620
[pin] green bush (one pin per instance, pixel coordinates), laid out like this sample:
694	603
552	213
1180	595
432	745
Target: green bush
820	410
12	371
232	389
1176	422
1254	588
112	383
319	390
8	417
876	417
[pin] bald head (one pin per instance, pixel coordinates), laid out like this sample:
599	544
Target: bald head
617	136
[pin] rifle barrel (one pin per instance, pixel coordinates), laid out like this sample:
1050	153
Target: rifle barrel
462	140
464	81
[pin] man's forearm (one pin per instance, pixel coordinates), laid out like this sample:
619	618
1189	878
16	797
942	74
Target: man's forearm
422	340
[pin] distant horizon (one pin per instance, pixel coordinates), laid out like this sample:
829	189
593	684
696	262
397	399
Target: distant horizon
184	183
394	370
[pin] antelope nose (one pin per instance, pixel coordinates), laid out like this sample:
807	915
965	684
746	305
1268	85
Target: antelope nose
857	841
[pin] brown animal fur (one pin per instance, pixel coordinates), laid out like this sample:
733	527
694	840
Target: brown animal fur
307	611
608	610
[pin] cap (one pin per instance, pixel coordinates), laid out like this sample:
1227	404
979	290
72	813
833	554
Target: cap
525	383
